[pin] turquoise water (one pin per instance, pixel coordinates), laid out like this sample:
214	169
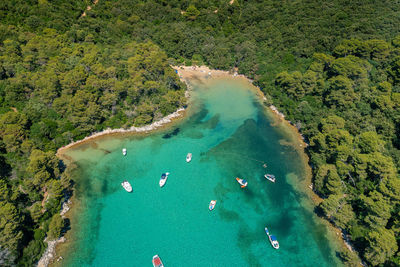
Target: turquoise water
230	136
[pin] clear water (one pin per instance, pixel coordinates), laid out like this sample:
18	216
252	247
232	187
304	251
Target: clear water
230	136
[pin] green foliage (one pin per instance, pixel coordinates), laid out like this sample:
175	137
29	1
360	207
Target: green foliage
10	226
55	227
353	140
64	76
349	258
31	253
382	246
191	12
56	87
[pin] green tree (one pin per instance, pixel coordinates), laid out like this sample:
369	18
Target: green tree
351	67
42	166
378	209
369	142
55	227
344	216
382	245
291	83
349	258
327	180
13	129
330	206
191	12
4	190
36	211
10	226
31	253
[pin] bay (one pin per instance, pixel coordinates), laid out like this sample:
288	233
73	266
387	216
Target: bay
230	134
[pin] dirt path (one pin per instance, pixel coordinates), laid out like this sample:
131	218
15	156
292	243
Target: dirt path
44	201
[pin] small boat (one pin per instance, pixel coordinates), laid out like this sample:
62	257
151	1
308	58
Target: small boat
270	177
212	204
127	186
163	179
242	182
188	157
157	261
265	165
124	151
272	239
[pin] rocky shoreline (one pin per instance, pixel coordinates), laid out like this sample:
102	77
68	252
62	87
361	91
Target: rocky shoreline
50	251
147	128
185	74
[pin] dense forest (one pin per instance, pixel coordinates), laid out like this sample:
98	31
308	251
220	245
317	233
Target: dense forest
348	106
332	67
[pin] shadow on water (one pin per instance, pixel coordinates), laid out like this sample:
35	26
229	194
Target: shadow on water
90	189
95	218
245	239
221	191
198	117
105	151
228	215
277	203
174	132
198	123
211	123
67	225
242	154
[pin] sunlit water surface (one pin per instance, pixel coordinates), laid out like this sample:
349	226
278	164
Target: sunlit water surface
230	136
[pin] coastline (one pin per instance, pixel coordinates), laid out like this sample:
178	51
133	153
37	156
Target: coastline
143	129
202	74
50	252
185	74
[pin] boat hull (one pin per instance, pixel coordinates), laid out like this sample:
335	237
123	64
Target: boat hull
241	182
157	261
162	182
270	178
274	244
272	239
163	179
212	204
127	186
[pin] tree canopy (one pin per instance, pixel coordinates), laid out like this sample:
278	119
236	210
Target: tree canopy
351	123
333	68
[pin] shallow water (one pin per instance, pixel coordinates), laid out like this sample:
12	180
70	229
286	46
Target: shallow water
230	136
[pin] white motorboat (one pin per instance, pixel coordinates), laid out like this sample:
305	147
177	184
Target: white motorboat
212	204
270	177
127	186
272	239
163	179
124	151
188	157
